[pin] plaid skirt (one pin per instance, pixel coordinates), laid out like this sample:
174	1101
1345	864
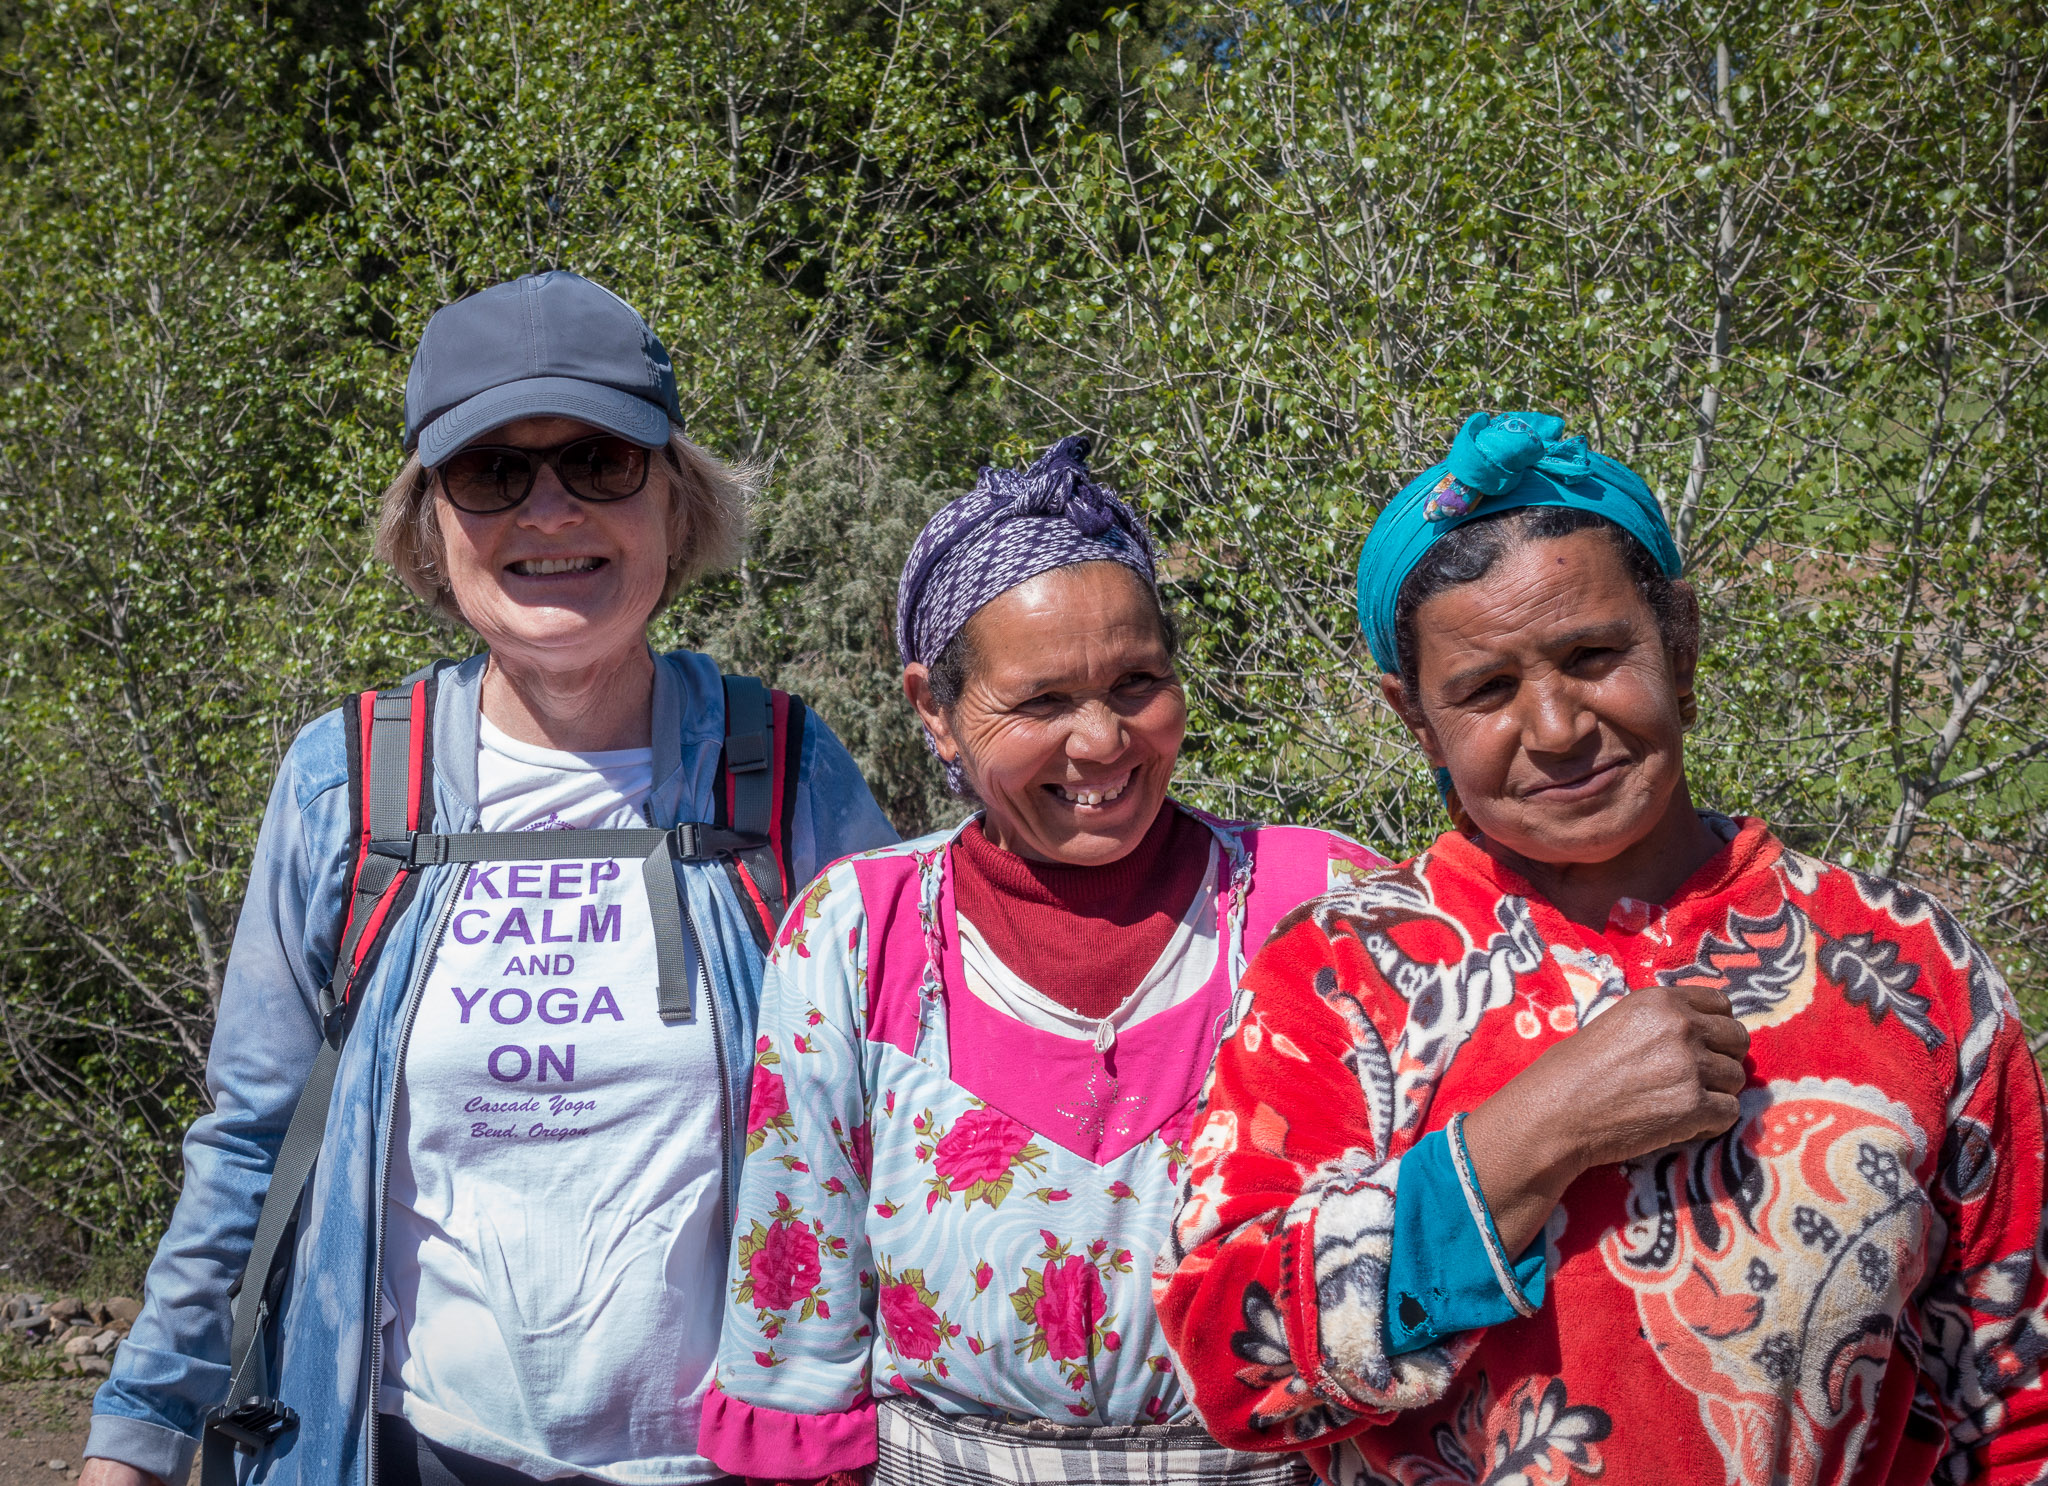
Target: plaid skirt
922	1447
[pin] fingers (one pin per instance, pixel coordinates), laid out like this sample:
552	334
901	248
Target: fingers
1722	1075
1724	1035
1724	1043
1706	999
1717	1113
1671	1059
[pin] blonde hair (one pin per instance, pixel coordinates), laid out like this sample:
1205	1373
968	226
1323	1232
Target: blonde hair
706	524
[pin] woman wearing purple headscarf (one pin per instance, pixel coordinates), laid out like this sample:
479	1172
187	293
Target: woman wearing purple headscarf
980	1052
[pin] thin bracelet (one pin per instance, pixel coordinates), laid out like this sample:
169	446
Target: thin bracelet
1482	1219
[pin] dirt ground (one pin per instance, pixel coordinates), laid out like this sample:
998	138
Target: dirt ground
42	1422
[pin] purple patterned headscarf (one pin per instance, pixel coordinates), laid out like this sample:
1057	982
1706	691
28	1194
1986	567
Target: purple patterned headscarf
1012	526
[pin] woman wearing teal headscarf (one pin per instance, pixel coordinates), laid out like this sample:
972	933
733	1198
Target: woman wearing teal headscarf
1609	1137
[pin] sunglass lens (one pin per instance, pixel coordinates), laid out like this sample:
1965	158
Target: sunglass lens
484	480
604	468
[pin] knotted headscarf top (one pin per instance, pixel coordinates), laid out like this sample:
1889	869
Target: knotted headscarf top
1012	526
1496	465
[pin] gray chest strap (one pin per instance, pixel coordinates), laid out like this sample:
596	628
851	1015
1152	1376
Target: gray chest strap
667	907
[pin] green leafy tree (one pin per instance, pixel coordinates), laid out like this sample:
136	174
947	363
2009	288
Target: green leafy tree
225	230
151	453
1785	260
1758	251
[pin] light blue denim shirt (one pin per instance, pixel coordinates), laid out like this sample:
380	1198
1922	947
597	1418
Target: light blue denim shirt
173	1367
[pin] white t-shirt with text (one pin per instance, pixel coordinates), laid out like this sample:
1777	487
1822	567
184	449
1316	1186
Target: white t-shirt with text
553	1261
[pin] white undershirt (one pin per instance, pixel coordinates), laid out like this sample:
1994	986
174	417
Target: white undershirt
1180	972
522	787
553	1261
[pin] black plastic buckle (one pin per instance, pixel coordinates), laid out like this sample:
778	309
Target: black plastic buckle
694	841
256	1424
689	841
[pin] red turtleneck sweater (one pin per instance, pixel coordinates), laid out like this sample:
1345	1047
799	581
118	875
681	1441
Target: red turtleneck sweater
1034	915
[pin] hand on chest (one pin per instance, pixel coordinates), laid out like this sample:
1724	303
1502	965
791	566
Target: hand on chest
1751	1257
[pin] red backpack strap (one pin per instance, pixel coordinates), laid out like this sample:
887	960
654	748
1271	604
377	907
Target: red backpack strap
755	795
391	796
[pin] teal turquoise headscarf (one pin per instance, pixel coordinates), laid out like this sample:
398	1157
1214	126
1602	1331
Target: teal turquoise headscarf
1495	465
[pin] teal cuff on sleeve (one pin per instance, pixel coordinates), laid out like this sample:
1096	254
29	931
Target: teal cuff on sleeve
1439	1280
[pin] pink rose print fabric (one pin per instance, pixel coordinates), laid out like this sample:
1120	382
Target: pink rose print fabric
781	1261
770	1106
1066	1306
979	1158
980	1148
768	1109
910	1315
1070	1308
897	1234
785	1268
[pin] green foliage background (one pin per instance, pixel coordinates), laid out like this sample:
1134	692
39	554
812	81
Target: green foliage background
1784	257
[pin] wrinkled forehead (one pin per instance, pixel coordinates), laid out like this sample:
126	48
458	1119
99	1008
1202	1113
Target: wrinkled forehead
1544	595
1070	624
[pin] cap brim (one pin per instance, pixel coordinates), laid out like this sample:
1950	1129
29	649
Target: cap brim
622	413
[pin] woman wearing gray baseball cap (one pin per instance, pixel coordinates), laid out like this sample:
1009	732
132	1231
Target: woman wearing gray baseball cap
504	928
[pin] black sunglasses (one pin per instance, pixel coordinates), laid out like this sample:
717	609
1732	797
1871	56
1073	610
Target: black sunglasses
485	479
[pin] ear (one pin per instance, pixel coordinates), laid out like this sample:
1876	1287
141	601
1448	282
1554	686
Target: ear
1685	653
1396	695
917	686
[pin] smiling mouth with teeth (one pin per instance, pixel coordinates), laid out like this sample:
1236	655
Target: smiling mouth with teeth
1092	796
541	567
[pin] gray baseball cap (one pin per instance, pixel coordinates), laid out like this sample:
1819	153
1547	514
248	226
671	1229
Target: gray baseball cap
549	344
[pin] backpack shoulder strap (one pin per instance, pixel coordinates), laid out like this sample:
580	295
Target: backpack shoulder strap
391	795
390	789
756	796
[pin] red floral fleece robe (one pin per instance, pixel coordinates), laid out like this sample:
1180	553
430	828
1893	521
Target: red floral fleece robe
1848	1283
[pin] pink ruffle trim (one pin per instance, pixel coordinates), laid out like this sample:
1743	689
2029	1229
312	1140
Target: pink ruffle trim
748	1439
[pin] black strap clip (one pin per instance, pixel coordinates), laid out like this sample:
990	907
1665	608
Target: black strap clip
690	841
694	841
256	1424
